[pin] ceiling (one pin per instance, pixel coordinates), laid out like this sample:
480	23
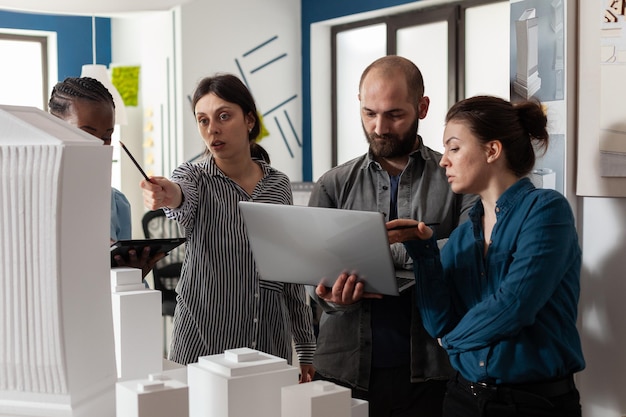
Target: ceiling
89	7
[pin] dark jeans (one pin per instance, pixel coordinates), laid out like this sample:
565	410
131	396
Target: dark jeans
391	394
460	401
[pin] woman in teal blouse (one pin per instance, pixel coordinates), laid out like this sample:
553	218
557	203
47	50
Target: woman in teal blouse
502	296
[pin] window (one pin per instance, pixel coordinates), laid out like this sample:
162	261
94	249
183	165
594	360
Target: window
24	74
436	38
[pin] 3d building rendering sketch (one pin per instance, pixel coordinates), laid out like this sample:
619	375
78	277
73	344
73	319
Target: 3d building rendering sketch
527	81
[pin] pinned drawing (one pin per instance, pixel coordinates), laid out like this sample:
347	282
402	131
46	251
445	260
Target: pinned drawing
612	140
527	81
537	71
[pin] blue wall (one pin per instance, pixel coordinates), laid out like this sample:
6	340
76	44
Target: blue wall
316	11
73	38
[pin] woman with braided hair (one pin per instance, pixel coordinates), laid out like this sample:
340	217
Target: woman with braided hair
87	104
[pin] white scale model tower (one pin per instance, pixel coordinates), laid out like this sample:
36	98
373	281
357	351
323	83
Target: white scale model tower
56	334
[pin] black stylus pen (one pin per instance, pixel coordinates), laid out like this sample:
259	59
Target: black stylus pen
411	226
135	161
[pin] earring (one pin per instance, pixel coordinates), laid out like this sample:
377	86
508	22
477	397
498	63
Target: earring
250	130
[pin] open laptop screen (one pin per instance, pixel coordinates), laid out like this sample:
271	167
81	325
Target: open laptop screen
312	245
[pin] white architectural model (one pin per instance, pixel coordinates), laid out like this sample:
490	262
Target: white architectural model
157	396
527	81
321	399
56	333
316	399
238	383
136	325
57	341
360	408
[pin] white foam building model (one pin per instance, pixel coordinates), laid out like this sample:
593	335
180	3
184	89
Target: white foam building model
157	396
360	408
238	383
137	326
56	334
166	393
58	342
320	399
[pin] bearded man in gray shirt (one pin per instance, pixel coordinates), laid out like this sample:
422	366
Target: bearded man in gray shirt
377	345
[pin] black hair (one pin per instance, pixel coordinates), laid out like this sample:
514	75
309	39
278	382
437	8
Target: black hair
518	126
230	88
73	88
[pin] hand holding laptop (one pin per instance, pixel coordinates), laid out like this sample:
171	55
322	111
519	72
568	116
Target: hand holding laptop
345	291
338	242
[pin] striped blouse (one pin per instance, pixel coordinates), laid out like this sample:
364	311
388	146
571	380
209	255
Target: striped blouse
222	302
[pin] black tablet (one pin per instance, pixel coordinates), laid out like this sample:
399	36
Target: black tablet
121	247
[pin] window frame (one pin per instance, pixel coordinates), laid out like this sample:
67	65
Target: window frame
43	41
453	13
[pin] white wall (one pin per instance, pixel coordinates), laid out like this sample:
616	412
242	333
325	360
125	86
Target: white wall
146	39
213	38
603	287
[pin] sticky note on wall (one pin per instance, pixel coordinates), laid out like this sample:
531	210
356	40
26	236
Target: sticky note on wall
126	80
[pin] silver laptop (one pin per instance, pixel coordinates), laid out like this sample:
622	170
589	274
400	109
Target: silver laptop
313	245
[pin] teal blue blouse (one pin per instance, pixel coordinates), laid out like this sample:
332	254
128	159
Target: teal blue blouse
508	316
120	216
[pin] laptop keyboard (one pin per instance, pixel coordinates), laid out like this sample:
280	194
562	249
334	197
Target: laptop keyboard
404	279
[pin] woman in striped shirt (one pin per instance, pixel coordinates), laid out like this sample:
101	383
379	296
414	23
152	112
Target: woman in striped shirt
222	301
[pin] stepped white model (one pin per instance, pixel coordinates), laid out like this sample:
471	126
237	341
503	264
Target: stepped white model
321	399
238	383
156	396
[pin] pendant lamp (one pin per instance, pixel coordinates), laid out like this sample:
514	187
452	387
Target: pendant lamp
100	73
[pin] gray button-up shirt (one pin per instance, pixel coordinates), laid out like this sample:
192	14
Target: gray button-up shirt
344	347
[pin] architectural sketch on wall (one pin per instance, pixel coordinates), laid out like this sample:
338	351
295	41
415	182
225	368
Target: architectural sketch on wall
537	49
527	81
612	140
253	66
556	23
537	71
